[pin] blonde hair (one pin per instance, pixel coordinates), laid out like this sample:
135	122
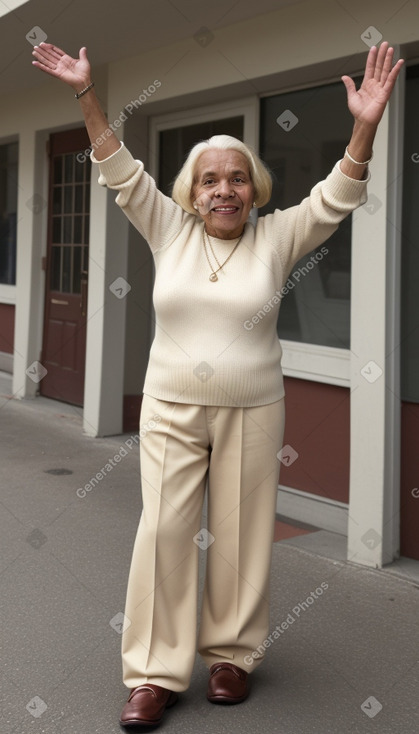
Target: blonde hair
185	180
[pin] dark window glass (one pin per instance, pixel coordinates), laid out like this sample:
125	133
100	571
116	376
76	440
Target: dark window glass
55	282
85	259
86	229
68	168
176	143
78	199
303	134
79	169
69	223
58	169
56	230
77	252
87	197
8	209
67	239
57	200
68	199
67	270
78	226
410	243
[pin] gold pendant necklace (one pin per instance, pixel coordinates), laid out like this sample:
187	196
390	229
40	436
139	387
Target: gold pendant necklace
213	277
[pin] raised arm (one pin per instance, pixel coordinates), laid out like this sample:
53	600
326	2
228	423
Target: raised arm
367	105
76	73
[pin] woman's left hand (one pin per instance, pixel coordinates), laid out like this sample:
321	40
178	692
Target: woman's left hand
367	105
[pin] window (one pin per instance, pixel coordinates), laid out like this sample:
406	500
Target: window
70	182
176	142
8	209
410	244
301	149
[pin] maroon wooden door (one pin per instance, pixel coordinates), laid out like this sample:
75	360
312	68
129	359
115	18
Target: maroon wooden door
64	342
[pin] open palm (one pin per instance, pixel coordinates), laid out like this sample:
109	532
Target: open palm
52	60
368	103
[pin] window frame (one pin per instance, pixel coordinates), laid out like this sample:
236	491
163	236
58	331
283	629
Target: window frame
248	107
304	360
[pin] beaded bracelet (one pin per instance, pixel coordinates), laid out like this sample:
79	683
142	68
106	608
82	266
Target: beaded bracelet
83	91
358	163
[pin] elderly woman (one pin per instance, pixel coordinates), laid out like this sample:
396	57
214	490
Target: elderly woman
215	385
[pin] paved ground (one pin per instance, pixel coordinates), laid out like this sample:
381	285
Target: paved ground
344	661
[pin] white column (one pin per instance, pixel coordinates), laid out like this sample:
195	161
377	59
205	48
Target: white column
373	524
30	281
105	347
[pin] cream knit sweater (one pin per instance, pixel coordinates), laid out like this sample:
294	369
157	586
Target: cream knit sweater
207	350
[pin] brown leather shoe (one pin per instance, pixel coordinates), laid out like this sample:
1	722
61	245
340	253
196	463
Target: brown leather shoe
146	705
227	684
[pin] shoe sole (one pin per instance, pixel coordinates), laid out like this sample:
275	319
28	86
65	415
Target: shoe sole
154	722
226	700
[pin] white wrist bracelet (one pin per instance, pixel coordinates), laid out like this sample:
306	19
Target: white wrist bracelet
358	163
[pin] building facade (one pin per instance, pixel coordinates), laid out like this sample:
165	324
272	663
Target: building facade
76	316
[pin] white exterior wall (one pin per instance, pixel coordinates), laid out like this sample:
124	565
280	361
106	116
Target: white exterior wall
367	515
309	33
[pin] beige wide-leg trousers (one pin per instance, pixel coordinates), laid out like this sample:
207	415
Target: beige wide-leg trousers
182	446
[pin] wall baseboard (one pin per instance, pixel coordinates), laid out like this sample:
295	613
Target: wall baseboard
6	362
312	509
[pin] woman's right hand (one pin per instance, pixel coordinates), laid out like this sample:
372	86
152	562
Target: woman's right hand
52	60
76	73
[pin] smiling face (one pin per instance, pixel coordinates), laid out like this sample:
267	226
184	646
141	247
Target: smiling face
223	192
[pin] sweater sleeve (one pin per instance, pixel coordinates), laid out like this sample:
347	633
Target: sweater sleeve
296	231
156	216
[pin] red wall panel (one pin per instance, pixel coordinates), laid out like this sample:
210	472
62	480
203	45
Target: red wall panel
7	327
317	428
409	490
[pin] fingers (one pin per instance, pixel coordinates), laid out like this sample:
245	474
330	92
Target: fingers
349	84
391	79
387	64
47	54
49	47
384	69
379	62
50	51
371	63
389	73
42	62
382	53
379	66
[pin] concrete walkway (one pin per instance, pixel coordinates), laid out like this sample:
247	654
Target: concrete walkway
343	653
